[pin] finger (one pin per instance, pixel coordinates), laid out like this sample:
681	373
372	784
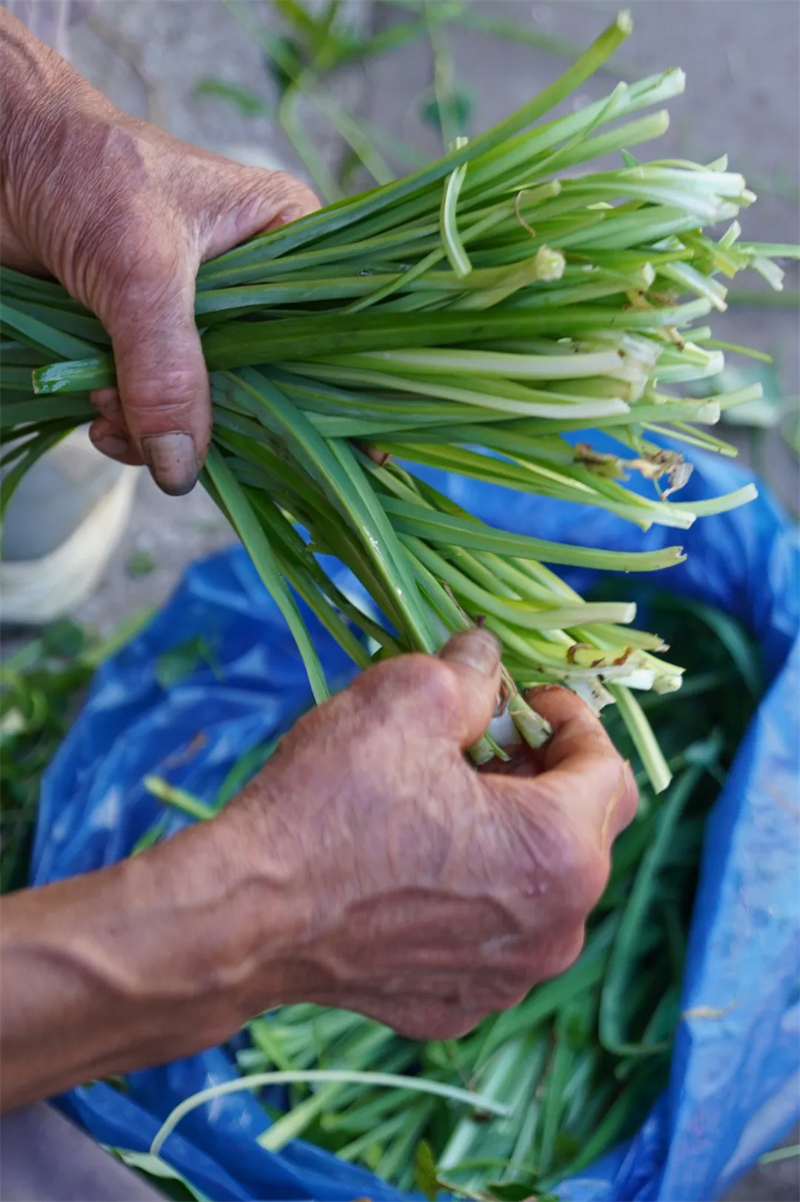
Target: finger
448	697
107	403
161	375
581	764
414	1017
114	442
473	659
523	761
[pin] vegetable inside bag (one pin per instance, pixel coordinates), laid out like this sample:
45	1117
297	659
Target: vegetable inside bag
732	1091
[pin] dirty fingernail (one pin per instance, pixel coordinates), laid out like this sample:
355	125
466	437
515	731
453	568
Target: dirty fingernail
172	460
113	445
478	649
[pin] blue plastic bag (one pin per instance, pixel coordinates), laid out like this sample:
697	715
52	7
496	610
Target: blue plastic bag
735	1078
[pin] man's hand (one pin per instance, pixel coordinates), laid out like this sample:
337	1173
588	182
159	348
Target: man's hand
123	215
367	866
428	894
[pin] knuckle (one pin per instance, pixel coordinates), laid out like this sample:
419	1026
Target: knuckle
283	181
107	402
289	188
419	685
232	203
580	738
580	866
566	952
436	683
587	876
513	989
439	1022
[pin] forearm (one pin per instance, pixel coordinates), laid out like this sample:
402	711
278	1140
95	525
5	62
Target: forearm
152	959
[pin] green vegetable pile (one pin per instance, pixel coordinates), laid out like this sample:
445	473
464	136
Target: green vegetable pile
574	1067
41	684
470	317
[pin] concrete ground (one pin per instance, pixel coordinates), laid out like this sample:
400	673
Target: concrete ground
742	59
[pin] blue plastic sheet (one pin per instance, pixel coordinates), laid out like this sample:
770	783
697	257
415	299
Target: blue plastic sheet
735	1078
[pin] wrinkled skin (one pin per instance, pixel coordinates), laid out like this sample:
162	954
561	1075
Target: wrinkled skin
368	865
123	215
439	894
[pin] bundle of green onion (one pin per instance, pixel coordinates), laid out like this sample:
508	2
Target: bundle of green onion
469	317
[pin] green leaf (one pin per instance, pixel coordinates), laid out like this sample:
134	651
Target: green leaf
453	112
297	17
765	411
425	1177
179	799
64	637
501	27
444	529
178	662
626	953
518	1191
43	334
340	217
451	239
36	412
48	437
139	563
252	534
332	465
242	99
644	740
739	645
153	1167
786	1153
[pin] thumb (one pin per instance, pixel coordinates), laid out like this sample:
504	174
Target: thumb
162	380
449	697
473	660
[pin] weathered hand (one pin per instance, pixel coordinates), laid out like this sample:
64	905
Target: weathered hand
367	866
428	895
123	215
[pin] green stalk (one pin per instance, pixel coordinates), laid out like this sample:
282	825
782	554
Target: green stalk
340	216
451	239
439	528
562	305
237	345
259	1080
179	799
518	613
339	477
643	738
246	525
